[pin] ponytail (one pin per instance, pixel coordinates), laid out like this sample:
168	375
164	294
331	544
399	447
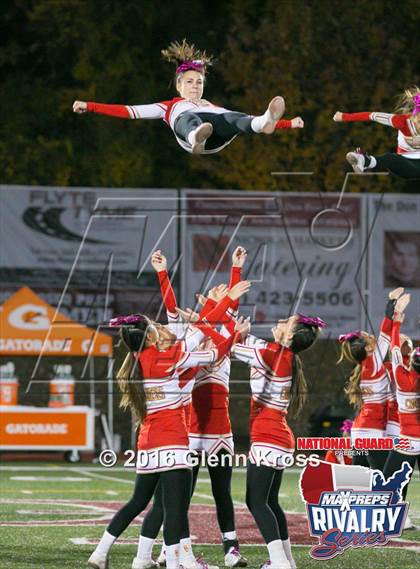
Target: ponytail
298	389
405	104
130	383
129	376
354	351
304	336
352	388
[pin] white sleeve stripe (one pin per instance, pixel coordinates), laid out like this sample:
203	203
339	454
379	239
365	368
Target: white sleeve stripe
382	118
131	111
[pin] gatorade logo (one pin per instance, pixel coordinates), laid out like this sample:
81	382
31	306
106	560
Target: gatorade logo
30	317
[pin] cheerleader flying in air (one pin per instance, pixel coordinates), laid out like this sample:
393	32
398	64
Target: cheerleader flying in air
405	162
200	127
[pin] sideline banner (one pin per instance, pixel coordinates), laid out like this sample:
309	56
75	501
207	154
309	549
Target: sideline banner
43	428
394	255
83	249
303	252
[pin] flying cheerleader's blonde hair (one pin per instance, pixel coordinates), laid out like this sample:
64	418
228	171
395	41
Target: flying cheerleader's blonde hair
405	103
180	53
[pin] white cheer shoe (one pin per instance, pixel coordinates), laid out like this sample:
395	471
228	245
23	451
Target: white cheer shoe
233	558
139	563
97	561
198	137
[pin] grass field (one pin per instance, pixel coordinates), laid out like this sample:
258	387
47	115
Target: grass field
53	514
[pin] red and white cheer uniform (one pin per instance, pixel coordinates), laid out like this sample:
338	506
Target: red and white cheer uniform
408	395
168	111
374	384
271	380
408	136
163	436
392	417
210	427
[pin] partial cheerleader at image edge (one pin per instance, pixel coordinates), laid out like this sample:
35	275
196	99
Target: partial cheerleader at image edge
405	162
199	126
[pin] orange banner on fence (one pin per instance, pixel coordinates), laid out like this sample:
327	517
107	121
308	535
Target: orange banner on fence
39	428
29	326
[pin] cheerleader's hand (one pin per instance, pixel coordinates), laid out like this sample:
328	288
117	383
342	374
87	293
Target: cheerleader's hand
243	326
218	292
188	315
396	293
338	117
79	107
399	317
402	304
201	299
297	122
239	257
158	261
239	289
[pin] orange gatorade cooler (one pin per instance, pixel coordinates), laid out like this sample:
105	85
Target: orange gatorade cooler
62	387
8	384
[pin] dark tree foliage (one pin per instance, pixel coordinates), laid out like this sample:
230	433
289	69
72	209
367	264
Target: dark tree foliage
322	56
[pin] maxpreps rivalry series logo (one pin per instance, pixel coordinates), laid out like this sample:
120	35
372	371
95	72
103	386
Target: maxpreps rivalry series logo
352	506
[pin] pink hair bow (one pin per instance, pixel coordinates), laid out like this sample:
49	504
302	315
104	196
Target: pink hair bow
317	322
416	353
349	336
195	65
416	101
346	426
124	320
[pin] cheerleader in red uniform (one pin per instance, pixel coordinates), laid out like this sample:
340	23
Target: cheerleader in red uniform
368	387
407	379
393	419
149	382
199	126
340	456
209	430
405	162
278	387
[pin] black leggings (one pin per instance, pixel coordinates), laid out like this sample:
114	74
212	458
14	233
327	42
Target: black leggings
394	463
176	487
262	499
408	168
220	477
375	459
225	126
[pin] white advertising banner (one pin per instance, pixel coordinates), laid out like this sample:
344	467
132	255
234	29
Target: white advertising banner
92	244
303	253
394	255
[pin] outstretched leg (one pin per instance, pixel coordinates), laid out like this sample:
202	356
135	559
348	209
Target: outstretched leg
395	163
218	129
143	491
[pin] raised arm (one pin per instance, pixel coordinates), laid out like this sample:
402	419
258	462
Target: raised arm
296	122
398	368
384	338
388	119
203	358
265	358
153	111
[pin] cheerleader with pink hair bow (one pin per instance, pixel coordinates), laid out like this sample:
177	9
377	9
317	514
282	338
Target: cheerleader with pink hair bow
405	162
199	126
